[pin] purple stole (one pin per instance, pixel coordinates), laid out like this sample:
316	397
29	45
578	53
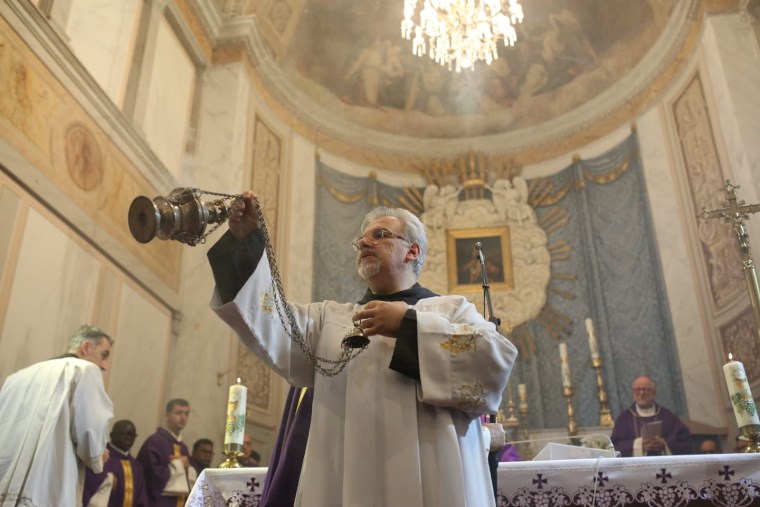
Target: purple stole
154	458
129	483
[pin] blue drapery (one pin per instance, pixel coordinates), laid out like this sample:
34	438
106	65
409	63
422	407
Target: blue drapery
618	281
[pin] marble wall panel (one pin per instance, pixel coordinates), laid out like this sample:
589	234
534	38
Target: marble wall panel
9	205
102	35
170	95
301	217
53	293
137	378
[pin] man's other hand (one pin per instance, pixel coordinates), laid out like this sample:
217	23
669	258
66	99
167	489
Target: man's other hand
381	317
498	436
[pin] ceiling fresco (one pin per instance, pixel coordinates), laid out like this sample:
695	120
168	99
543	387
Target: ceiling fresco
567	53
340	74
349	56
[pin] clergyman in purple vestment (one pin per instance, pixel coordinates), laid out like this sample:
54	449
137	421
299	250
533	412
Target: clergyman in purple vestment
128	489
164	456
674	437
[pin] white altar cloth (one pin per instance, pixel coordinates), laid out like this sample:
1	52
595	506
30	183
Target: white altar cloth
722	480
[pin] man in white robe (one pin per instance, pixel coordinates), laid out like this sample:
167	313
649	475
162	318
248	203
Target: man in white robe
399	426
54	418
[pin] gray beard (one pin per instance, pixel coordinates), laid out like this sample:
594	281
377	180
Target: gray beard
369	268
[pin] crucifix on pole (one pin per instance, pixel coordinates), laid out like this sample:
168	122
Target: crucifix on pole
735	213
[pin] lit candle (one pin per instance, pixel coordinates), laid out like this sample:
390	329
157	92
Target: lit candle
592	339
739	393
522	393
564	365
235	427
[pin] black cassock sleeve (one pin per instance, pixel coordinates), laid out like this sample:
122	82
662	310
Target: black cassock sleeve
406	359
233	261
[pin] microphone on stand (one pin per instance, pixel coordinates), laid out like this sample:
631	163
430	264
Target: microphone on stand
487	306
479	249
493	457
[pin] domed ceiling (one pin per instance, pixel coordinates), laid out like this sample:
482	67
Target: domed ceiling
341	69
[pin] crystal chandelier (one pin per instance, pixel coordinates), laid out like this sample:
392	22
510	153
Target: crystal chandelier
458	33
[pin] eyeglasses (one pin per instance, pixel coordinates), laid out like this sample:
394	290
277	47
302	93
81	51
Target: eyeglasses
374	237
642	389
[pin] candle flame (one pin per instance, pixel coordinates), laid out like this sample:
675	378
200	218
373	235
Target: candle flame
238	381
730	357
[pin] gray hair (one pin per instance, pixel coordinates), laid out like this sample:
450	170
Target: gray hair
87	332
413	231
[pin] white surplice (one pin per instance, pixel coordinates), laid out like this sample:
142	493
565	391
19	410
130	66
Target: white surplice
54	418
377	437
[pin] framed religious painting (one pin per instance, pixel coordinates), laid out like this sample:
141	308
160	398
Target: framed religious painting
464	267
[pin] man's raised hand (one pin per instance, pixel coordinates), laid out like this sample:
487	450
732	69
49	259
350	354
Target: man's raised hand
244	220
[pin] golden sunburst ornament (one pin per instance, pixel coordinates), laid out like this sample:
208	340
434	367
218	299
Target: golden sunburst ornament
477	187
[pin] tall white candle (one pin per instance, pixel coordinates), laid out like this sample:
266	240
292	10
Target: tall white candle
235	428
522	393
592	344
739	393
564	365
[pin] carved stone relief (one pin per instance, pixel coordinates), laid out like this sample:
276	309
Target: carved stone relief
84	159
254	374
267	167
279	15
739	337
705	175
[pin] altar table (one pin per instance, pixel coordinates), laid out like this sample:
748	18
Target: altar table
722	480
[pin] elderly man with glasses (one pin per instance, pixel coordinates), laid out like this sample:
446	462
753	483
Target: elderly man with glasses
400	424
649	429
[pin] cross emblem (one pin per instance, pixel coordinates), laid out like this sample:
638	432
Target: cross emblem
726	472
735	213
539	481
252	484
601	479
664	475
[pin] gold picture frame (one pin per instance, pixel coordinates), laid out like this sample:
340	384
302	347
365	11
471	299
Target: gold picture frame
464	267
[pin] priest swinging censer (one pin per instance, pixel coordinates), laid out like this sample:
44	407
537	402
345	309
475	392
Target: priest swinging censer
183	216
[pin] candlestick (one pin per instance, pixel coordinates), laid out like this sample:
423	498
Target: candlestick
234	428
742	402
572	425
605	415
511	421
592	344
564	365
522	393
